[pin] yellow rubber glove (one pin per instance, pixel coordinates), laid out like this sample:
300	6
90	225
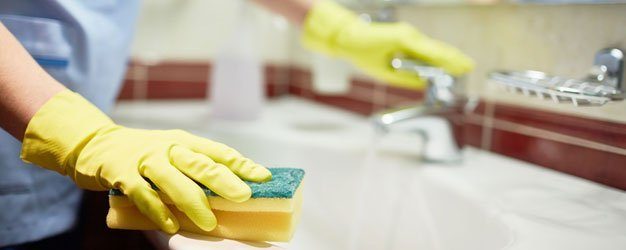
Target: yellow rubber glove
71	136
334	30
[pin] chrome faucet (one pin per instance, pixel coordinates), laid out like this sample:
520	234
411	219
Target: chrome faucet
443	96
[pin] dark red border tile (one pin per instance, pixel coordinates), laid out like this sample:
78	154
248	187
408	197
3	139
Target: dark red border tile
363	83
471	135
614	174
127	90
179	71
274	90
480	108
594	165
276	80
299	77
176	90
411	94
609	133
277	74
300	91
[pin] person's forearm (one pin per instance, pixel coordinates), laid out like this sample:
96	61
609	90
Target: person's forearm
24	85
294	10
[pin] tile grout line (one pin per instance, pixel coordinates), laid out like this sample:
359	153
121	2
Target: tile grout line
546	134
487	125
140	88
379	96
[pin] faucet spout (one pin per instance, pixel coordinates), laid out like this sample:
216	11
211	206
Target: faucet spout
427	118
439	143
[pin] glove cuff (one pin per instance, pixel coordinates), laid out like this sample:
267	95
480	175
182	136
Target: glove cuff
322	25
60	129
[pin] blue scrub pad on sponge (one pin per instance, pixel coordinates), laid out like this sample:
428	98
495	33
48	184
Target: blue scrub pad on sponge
284	183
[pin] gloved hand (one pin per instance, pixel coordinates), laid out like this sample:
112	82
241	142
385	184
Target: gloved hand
71	136
335	31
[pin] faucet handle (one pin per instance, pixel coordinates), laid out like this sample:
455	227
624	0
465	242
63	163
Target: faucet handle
423	70
442	88
608	67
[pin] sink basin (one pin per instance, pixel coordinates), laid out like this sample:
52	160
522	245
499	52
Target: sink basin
366	194
376	202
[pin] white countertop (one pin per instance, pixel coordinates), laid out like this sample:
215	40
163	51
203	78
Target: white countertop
486	202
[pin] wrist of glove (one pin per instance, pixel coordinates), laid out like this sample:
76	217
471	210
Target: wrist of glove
71	136
334	30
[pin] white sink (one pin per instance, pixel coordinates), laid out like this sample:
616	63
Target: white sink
357	197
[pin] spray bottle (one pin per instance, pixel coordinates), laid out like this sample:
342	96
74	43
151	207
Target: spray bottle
237	89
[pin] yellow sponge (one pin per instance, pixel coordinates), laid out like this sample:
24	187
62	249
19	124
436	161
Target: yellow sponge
270	215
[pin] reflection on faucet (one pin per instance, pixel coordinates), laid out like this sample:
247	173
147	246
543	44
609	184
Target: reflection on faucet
443	97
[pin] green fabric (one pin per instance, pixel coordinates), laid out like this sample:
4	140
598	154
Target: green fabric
284	183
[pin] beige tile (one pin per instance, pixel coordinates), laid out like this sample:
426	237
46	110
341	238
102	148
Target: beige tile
194	30
559	40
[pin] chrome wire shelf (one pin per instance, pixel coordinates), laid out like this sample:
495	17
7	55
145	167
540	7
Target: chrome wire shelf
602	85
557	89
